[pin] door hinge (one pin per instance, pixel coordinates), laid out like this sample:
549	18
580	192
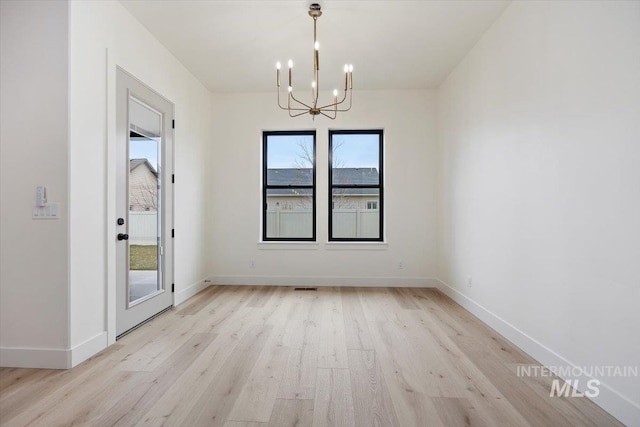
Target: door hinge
173	287
173	179
173	233
173	124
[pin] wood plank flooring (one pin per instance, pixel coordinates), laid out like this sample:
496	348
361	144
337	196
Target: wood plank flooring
271	356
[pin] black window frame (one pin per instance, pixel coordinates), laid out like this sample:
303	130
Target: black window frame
380	186
265	186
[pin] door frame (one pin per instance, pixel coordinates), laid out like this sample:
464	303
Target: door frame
112	67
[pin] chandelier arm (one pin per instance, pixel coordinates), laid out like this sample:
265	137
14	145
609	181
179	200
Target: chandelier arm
298	114
284	108
345	96
345	109
326	115
290	108
301	103
335	103
330	106
306	110
350	99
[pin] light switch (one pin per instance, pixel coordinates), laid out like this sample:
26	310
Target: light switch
47	211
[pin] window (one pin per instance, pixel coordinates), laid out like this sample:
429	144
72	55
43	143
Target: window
289	186
355	185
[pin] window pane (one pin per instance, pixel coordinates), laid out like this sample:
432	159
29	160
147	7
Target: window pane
355	159
145	225
290	159
289	213
356	185
289	163
353	215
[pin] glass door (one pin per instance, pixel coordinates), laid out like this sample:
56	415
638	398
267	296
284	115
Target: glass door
144	197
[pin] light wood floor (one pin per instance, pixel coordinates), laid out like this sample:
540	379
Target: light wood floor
257	356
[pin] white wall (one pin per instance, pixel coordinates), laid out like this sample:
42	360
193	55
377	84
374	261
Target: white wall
408	118
34	140
98	26
539	154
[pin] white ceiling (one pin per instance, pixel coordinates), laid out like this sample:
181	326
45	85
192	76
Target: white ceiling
232	46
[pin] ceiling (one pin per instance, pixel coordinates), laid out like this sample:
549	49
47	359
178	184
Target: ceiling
232	46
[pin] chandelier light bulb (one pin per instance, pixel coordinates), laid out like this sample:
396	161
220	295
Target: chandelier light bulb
290	89
351	68
316	45
313	84
278	65
335	92
346	68
290	63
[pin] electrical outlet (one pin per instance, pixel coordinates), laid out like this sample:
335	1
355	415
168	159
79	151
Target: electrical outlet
400	264
252	264
469	281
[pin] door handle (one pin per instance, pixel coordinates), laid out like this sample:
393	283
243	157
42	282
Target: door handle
122	236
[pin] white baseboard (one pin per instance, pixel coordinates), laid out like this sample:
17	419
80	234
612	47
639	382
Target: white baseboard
52	358
397	282
90	347
618	405
185	294
46	358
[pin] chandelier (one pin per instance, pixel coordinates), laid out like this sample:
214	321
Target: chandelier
297	108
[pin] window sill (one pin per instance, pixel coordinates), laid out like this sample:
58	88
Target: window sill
288	246
356	246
